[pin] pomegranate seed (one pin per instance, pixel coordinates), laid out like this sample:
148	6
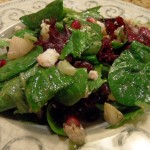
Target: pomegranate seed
90	19
2	62
76	24
72	120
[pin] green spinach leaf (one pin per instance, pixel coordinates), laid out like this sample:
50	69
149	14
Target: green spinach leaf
14	67
129	76
75	46
72	15
11	95
53	125
54	10
86	41
42	86
73	93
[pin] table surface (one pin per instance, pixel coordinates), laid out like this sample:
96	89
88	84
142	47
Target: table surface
142	3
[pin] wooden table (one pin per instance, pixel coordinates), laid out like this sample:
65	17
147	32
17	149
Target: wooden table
142	3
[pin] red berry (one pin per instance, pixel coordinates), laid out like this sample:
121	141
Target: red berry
76	24
91	19
72	120
2	62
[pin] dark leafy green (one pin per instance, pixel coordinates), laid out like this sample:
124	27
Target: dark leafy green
42	86
121	39
91	12
54	126
14	67
22	32
129	76
54	10
90	58
73	93
86	41
93	37
72	15
10	94
25	75
75	46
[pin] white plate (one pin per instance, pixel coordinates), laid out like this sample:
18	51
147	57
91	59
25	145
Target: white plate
18	136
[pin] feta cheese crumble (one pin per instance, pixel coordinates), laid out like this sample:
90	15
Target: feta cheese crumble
93	75
48	58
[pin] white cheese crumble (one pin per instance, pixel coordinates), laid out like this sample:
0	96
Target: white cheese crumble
75	133
44	31
93	75
102	26
48	58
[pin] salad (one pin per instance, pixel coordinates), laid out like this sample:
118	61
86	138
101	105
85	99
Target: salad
67	68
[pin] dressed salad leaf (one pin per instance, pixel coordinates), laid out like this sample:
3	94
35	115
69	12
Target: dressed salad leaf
54	126
104	70
75	46
73	93
53	10
129	76
42	86
86	41
23	63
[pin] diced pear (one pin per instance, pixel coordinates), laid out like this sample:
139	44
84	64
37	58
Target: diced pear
19	47
111	114
66	68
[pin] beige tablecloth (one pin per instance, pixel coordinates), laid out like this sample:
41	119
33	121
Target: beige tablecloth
142	3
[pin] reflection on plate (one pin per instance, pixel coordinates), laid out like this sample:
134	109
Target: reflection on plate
19	136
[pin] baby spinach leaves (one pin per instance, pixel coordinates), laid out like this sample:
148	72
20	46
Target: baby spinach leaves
73	93
14	67
129	76
86	41
41	87
54	10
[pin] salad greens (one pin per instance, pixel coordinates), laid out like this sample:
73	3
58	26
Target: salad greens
24	63
129	76
75	91
27	87
53	10
42	86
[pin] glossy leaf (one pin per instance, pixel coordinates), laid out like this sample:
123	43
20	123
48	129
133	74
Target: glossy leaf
41	87
14	67
53	125
54	10
129	76
73	93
